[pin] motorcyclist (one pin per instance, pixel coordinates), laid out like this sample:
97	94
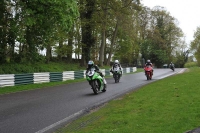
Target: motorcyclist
116	63
171	65
148	63
96	68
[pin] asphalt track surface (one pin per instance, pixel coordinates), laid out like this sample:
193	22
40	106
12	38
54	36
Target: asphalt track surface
45	110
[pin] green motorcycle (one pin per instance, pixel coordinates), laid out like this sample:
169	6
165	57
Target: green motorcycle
96	81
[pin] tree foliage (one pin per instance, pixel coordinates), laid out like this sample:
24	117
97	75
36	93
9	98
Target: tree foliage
161	37
195	45
100	30
33	25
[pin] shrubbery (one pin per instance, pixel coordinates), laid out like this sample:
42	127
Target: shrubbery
41	67
190	64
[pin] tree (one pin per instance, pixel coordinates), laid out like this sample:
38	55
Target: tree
195	45
33	24
86	11
162	36
5	26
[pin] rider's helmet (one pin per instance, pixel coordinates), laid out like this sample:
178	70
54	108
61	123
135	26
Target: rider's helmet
90	64
116	62
148	61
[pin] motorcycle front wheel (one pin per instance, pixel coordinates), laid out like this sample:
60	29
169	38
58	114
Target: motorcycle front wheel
148	76
95	86
116	77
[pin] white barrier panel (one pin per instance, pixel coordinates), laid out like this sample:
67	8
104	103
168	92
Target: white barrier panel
41	77
7	80
84	73
134	69
68	75
127	70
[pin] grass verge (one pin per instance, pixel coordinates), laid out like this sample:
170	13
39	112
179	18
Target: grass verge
18	88
170	105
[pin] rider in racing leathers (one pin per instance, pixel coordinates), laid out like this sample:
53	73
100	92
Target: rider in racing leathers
91	65
116	63
148	63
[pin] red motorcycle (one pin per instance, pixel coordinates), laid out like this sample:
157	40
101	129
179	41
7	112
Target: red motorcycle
148	72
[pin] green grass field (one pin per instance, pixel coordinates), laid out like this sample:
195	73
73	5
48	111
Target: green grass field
170	105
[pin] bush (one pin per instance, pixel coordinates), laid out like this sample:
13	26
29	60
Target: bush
16	68
190	64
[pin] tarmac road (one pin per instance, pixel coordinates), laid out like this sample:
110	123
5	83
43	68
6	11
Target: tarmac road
44	110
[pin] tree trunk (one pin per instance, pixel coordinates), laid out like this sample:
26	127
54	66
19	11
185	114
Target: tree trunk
70	43
3	46
112	43
105	53
87	39
101	52
12	47
59	49
3	24
48	53
30	41
103	35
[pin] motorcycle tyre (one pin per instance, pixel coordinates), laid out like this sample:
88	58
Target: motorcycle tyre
148	77
94	85
117	77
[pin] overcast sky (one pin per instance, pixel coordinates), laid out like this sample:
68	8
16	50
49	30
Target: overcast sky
187	12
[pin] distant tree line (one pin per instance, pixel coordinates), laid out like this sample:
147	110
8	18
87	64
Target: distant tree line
100	30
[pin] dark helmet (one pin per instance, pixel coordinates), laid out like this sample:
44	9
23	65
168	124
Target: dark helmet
148	61
90	63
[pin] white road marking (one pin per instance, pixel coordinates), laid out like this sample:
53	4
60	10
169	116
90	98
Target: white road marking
181	71
59	122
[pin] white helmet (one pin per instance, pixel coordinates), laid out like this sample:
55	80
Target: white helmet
116	61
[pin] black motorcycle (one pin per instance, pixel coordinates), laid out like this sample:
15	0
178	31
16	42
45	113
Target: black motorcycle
116	74
171	66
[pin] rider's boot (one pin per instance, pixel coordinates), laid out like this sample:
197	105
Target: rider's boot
104	81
